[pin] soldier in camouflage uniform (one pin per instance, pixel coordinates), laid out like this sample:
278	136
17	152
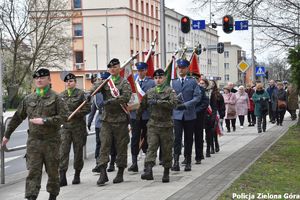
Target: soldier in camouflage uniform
46	111
74	131
114	123
160	101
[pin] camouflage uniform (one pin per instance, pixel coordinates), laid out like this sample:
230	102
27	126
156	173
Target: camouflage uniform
115	123
43	140
74	131
160	124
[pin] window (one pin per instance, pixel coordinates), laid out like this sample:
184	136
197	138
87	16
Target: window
157	37
152	35
226	77
147	34
143	34
137	32
156	12
78	30
147	9
152	11
137	5
226	54
78	57
226	65
142	7
131	30
138	57
209	61
77	3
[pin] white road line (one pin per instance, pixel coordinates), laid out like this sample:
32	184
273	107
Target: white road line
12	158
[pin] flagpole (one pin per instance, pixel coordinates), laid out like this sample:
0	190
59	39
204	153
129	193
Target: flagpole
150	50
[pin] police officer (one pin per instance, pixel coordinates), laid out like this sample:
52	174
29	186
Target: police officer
160	101
114	123
184	115
138	126
74	131
45	111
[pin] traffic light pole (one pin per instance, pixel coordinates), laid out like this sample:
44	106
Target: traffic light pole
252	47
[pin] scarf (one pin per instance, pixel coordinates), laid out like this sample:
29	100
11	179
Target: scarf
41	92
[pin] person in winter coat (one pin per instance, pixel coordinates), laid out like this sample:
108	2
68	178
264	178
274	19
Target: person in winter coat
272	89
242	105
261	101
230	104
280	105
251	117
217	104
292	104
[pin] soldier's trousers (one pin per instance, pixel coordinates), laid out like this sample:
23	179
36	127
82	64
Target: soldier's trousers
119	133
160	137
41	152
76	137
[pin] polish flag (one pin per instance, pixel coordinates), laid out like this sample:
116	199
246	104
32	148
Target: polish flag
150	63
194	66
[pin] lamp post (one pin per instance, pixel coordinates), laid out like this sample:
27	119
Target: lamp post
96	46
107	39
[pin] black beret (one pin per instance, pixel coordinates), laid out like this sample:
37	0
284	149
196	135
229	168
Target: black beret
113	62
41	72
69	76
159	72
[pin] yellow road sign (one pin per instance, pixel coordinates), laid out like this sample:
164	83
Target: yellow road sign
243	66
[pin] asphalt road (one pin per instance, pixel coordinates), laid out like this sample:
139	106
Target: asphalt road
15	162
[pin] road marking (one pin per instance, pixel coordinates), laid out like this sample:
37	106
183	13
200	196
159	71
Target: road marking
12	158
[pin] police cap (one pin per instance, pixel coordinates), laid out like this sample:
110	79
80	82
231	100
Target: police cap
183	63
141	65
104	75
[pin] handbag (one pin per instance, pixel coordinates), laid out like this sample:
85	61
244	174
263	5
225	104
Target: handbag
281	104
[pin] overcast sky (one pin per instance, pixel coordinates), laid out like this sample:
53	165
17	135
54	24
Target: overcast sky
241	38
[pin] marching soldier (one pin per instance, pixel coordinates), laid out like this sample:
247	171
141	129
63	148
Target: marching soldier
74	131
184	115
139	128
160	101
46	111
114	122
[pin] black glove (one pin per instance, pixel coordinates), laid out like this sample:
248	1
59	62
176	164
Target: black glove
152	101
181	107
88	97
89	126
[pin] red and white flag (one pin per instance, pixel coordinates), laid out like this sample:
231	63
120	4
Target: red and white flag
113	89
150	63
140	91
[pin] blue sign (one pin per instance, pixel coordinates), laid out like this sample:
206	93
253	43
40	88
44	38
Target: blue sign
198	24
241	25
260	71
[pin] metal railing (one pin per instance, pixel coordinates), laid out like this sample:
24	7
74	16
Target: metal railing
22	147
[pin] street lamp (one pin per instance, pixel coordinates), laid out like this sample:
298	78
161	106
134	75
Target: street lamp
96	46
107	39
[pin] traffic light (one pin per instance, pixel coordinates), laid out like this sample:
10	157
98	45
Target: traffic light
228	23
185	24
220	47
199	49
267	75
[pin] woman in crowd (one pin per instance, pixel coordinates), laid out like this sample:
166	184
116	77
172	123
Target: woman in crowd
251	117
217	105
292	105
230	113
242	105
261	101
280	99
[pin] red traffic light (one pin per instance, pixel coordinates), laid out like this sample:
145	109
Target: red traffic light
184	20
226	19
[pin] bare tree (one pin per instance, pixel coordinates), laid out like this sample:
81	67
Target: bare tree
279	69
33	36
278	21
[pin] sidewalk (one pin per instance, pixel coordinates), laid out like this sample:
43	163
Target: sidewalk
238	150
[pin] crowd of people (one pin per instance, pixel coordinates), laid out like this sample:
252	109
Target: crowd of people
171	115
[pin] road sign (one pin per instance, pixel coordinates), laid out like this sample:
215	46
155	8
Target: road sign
260	71
243	66
198	24
241	25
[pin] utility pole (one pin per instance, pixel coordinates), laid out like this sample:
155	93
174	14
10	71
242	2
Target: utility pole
162	35
1	112
107	39
252	45
96	46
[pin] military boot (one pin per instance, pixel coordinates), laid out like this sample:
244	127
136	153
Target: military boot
103	176
62	178
76	179
119	177
134	167
148	174
52	197
31	198
188	164
111	167
176	163
166	178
